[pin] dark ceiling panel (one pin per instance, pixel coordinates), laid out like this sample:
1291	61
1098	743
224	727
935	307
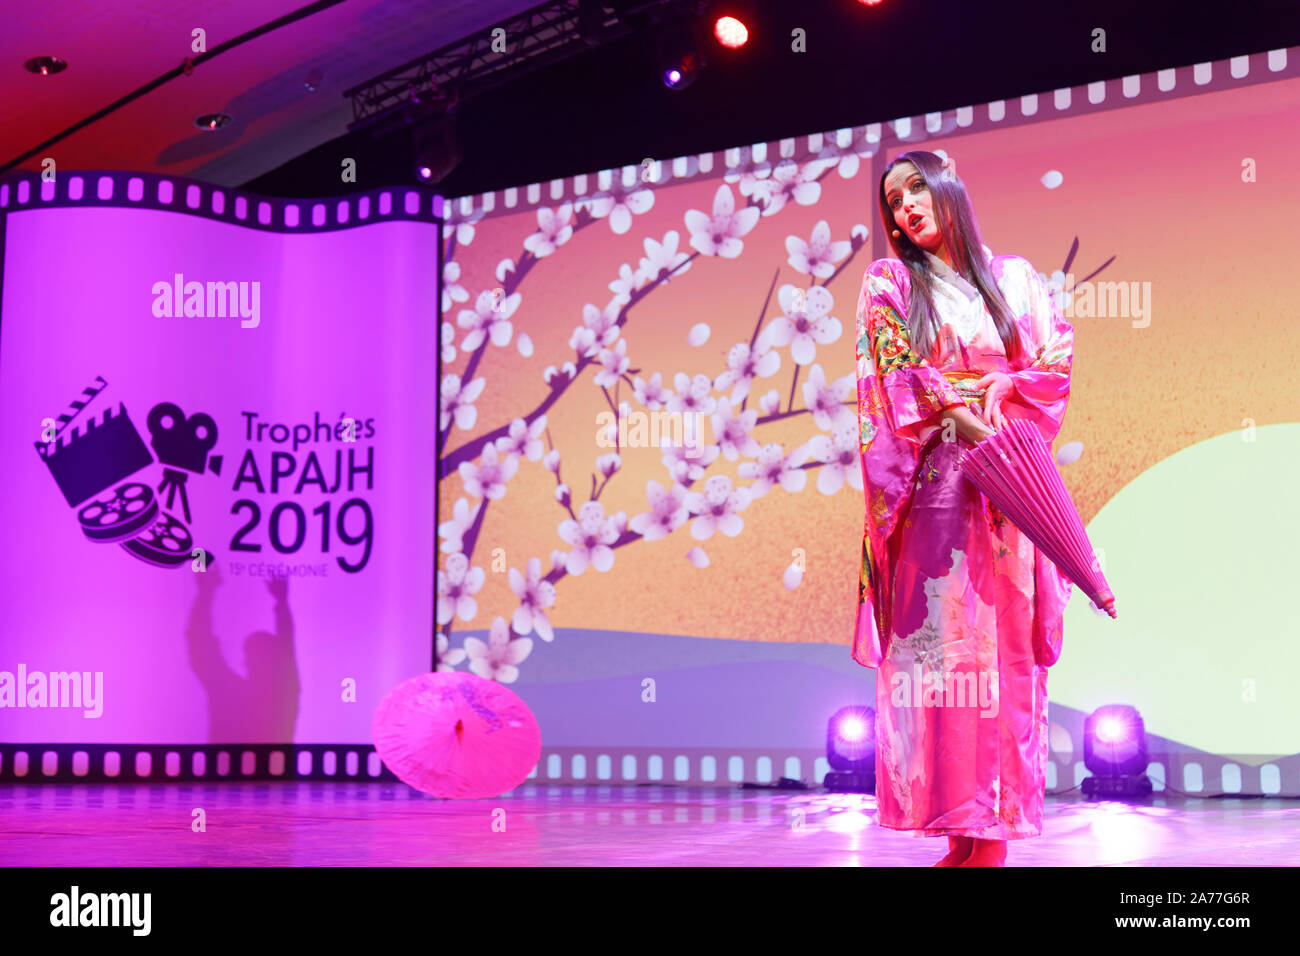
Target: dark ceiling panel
602	108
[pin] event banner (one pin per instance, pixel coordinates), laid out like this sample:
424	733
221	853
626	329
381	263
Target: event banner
218	475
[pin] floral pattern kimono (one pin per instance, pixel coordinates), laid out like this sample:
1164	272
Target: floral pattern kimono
958	612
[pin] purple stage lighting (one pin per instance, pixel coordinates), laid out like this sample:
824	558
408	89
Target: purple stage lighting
424	172
1114	740
676	54
1115	752
851	750
1110	731
851	739
679	71
852	729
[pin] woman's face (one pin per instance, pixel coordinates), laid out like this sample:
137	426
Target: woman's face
909	201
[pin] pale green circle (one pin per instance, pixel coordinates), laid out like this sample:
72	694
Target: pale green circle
1200	552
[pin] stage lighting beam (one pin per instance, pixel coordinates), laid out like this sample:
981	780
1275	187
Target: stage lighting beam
435	147
851	750
1115	751
677	51
730	32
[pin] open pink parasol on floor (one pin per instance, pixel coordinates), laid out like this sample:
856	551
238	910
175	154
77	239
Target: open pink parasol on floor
1015	471
456	735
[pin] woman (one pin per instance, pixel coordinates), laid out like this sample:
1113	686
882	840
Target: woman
958	612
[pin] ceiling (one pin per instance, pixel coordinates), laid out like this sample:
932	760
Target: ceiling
599	109
113	49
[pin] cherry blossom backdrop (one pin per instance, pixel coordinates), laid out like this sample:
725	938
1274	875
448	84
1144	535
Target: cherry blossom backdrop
730	298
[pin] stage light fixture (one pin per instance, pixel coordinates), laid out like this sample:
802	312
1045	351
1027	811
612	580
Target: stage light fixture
211	121
45	65
1115	751
677	54
682	73
730	32
435	148
851	750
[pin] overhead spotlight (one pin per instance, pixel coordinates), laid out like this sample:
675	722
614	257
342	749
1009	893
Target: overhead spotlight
732	22
314	79
731	32
435	148
851	750
677	57
211	121
45	65
679	75
1115	750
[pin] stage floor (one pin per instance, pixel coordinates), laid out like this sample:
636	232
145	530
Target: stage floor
378	824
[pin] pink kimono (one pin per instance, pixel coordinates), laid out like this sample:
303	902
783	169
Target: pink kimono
958	612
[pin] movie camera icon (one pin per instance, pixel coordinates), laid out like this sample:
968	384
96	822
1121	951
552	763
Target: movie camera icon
182	443
90	462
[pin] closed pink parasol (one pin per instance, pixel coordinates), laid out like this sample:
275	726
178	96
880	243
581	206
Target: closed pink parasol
1014	470
456	735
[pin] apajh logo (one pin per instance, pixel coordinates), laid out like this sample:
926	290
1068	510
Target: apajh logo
90	462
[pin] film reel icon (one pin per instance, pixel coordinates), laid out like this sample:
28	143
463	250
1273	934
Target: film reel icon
119	514
166	543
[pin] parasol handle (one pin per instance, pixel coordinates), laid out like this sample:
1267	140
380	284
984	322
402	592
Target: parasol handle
1107	604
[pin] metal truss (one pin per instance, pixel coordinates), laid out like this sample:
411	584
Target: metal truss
545	34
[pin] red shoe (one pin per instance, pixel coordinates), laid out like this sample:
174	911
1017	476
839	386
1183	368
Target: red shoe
987	853
958	849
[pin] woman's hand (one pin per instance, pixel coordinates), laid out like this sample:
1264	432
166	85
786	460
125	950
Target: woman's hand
965	421
998	386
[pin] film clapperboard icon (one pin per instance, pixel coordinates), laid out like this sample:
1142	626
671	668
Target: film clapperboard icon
90	461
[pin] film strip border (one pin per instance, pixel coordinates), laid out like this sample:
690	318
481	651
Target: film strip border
866	141
27	190
161	763
1196	774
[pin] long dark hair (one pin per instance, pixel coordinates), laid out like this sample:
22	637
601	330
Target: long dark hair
956	221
